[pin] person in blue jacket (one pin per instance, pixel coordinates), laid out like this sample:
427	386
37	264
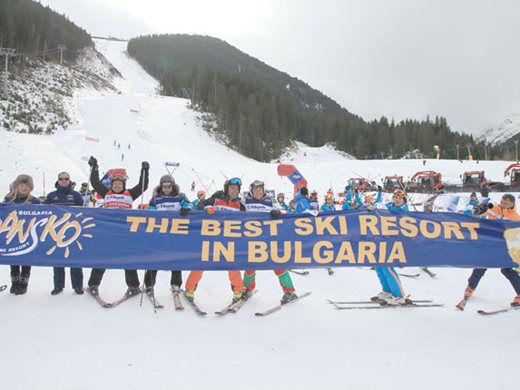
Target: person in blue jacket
20	193
66	196
302	201
167	197
393	293
329	204
351	204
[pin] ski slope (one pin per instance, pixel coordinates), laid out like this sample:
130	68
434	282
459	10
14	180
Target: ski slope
69	342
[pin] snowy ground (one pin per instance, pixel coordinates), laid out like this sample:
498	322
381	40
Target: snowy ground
69	342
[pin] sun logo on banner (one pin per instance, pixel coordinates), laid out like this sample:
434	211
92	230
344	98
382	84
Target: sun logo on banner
77	227
512	237
25	230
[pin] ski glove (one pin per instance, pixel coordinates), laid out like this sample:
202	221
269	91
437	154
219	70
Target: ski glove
275	213
145	165
92	161
184	211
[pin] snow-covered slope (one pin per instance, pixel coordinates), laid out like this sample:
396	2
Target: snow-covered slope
69	342
507	129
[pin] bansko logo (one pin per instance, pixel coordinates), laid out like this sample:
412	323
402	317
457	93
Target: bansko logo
24	230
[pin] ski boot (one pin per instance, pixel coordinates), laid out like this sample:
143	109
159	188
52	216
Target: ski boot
247	294
93	290
79	290
381	297
22	285
15	281
190	295
237	296
287	297
393	300
56	291
468	292
132	290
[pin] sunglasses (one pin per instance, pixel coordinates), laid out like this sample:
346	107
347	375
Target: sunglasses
64	178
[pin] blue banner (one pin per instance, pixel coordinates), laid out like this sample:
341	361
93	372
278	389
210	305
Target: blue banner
145	239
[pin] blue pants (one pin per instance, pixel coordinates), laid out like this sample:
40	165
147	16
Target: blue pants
509	273
390	281
76	276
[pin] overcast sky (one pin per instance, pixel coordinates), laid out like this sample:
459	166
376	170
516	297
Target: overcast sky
398	58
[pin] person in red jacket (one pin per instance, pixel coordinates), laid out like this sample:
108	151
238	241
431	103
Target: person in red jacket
227	200
117	197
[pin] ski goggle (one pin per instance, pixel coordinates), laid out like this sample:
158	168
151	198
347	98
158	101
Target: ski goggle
167	185
235	181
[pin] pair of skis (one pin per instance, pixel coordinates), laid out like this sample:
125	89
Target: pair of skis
110	305
234	307
149	293
377	304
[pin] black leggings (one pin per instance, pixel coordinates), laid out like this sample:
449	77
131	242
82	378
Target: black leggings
150	276
131	278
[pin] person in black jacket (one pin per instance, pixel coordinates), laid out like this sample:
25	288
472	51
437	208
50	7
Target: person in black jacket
117	197
65	196
20	192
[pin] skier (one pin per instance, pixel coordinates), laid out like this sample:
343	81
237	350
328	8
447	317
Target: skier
505	210
227	200
370	203
351	204
392	293
167	197
65	196
473	201
85	194
192	186
280	201
302	201
291	209
117	197
258	201
122	157
315	205
20	193
201	198
329	204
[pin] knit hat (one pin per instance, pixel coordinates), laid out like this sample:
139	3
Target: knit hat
23	179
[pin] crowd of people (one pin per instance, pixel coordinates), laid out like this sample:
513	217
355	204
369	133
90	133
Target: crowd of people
167	196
